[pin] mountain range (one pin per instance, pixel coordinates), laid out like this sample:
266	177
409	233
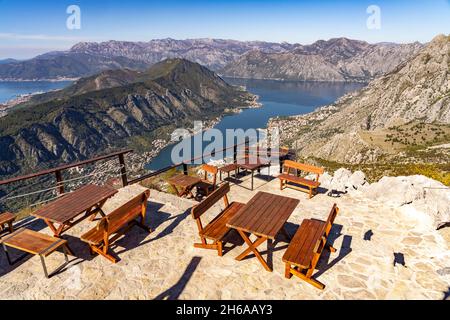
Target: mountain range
113	109
403	115
338	59
334	60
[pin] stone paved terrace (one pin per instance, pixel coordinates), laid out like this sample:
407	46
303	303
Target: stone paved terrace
165	265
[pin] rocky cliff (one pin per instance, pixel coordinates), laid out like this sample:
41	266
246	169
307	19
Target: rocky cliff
111	110
404	114
338	59
334	60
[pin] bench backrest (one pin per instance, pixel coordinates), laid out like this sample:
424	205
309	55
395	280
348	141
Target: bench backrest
289	164
211	200
212	170
326	228
124	214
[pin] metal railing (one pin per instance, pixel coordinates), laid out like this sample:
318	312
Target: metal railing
60	182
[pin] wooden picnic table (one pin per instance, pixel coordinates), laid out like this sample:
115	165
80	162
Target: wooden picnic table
183	184
252	164
60	215
264	216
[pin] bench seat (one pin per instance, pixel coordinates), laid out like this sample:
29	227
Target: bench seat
299	180
116	224
306	247
290	174
217	229
301	249
95	235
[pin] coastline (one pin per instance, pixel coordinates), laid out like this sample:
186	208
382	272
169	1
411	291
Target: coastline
39	80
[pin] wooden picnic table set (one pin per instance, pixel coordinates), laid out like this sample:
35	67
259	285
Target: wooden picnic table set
264	217
69	210
184	184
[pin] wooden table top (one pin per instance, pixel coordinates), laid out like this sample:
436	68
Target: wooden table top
184	181
228	167
32	242
251	163
75	203
264	215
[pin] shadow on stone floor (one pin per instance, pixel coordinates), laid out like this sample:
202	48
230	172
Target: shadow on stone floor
345	249
447	294
174	292
155	218
29	223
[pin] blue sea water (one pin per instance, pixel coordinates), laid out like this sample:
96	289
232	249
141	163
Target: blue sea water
278	98
12	89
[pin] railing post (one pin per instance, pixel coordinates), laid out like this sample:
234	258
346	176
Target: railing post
59	182
185	169
235	153
123	170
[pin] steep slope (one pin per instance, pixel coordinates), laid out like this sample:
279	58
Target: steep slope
338	59
58	65
88	123
399	115
88	58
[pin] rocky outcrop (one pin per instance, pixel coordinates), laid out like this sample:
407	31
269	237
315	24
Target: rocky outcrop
416	195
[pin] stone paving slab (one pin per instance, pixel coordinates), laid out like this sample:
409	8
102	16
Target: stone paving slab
165	265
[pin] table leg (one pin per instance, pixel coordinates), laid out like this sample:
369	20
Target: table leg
252	247
57	234
252	179
179	194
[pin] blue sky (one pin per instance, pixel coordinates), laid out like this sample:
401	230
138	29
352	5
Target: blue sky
28	28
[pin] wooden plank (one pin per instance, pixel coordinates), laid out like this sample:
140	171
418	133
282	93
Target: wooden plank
278	224
262	215
71	205
303	167
306	252
212	199
6	217
30	241
184	181
217	228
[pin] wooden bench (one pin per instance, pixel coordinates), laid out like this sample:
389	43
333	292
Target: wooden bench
6	220
36	243
116	224
206	186
305	248
217	229
290	170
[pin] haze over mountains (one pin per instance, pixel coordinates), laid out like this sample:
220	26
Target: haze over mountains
338	59
113	109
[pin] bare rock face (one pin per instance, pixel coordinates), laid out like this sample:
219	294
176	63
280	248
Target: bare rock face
343	180
416	195
416	90
419	196
337	59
